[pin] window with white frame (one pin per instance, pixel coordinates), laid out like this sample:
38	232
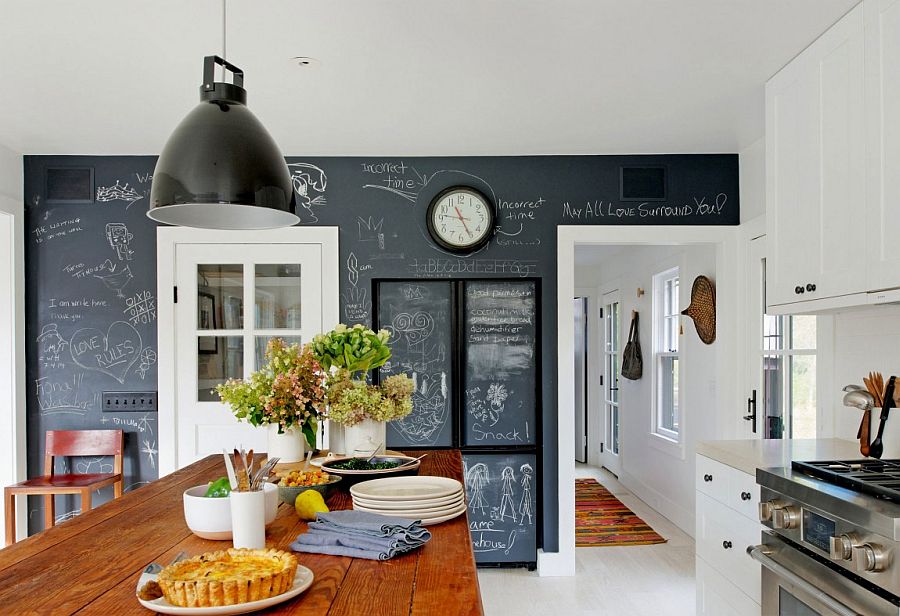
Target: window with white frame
666	418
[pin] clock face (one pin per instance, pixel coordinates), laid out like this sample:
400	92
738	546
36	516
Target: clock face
461	219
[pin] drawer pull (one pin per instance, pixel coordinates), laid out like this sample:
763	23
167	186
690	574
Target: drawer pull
726	545
745	496
707	478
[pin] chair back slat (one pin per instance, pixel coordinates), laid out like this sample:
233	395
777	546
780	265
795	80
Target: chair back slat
84	443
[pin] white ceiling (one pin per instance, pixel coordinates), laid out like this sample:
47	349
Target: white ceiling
423	77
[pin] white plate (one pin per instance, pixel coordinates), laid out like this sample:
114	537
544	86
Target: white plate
437	520
417	487
414	507
302	580
418	514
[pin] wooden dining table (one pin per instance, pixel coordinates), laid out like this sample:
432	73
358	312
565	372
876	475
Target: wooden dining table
91	564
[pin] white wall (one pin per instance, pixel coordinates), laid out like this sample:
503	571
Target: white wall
12	324
657	472
865	339
752	177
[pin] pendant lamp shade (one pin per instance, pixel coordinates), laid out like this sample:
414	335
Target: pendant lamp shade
221	169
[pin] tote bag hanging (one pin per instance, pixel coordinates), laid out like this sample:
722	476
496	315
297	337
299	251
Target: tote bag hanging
632	362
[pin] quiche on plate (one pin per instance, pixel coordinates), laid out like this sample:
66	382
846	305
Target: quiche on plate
228	577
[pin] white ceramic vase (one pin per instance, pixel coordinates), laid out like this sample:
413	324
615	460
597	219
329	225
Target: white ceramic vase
290	446
365	437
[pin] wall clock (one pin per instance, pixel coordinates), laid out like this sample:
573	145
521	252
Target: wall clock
461	219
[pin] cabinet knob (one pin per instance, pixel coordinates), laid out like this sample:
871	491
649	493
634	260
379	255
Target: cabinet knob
726	545
745	496
707	478
810	287
798	290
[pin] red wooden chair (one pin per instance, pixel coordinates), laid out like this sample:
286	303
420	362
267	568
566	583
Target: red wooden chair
68	443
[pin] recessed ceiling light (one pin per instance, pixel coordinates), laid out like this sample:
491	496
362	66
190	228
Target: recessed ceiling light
306	62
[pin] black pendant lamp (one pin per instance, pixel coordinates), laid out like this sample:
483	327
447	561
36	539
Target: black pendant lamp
221	169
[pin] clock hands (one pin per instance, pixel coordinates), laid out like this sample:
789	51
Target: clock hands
462	220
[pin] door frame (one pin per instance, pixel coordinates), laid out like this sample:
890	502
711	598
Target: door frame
12	363
562	562
167	240
616	295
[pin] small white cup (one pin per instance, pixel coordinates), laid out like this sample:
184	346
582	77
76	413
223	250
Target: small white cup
248	519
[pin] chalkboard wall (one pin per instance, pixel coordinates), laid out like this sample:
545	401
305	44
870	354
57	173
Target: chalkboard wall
379	204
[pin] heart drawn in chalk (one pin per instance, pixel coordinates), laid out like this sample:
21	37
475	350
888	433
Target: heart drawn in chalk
112	353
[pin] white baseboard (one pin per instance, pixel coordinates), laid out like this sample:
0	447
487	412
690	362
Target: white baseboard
675	513
550	564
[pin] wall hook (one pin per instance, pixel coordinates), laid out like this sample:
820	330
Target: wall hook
640	292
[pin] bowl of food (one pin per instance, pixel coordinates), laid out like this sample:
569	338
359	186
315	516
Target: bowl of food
209	517
356	469
292	483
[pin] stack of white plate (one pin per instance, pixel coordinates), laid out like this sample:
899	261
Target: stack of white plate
430	499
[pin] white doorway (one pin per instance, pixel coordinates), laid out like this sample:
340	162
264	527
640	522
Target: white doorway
232	295
580	308
610	315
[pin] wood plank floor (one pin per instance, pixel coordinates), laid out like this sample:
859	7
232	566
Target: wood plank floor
651	580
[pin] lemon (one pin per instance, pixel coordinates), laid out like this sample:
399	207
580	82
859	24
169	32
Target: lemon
308	503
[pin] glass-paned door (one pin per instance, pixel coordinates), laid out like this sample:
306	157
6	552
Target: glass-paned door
612	353
232	300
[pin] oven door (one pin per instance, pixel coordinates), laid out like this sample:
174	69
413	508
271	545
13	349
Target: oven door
797	584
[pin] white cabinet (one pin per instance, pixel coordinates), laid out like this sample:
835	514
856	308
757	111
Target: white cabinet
816	170
728	581
882	25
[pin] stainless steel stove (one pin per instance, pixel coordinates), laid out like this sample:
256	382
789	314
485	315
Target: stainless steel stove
833	539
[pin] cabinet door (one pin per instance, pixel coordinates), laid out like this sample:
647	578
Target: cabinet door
815	164
882	29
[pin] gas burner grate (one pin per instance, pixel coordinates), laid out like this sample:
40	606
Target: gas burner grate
879	478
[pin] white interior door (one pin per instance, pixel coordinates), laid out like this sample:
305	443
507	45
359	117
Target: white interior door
233	296
754	424
581	397
612	354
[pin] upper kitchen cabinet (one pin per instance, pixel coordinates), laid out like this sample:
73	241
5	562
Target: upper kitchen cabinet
882	19
816	173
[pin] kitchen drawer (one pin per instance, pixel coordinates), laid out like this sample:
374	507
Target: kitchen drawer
712	478
716	596
743	494
722	538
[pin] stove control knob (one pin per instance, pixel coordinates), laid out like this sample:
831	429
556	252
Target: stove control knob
786	518
841	546
870	557
766	508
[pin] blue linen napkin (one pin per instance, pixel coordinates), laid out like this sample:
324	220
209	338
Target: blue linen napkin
360	534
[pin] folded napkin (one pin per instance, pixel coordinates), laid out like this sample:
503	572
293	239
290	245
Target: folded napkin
360	534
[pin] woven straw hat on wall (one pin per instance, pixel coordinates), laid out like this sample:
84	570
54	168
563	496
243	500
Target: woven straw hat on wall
703	308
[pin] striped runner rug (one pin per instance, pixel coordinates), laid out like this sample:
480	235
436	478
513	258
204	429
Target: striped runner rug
602	520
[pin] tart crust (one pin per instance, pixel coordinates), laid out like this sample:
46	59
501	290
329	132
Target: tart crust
228	577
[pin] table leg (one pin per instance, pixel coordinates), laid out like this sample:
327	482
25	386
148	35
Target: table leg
49	511
10	515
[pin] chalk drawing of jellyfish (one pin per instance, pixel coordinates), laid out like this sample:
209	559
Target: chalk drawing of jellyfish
525	503
476	479
507	506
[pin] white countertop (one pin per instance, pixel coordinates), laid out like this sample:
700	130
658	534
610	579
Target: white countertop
750	454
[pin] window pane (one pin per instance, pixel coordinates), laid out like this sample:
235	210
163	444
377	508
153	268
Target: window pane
219	358
773	333
278	296
263	341
803	332
803	396
615	429
220	296
773	396
615	327
668	393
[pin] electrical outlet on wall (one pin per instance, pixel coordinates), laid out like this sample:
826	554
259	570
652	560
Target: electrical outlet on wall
124	401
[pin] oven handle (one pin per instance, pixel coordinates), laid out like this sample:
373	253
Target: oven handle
760	554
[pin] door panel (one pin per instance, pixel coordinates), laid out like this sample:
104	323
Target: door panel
232	299
612	353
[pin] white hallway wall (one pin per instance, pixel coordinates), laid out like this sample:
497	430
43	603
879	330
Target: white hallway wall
663	478
12	322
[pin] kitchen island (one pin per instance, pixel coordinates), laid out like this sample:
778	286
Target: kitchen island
91	564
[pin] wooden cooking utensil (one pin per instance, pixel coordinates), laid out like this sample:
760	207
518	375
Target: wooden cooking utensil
877	446
865	433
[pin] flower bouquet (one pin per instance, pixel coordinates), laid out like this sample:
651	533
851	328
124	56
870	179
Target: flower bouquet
289	390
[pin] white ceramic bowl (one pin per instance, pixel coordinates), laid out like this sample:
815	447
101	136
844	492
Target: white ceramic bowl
210	518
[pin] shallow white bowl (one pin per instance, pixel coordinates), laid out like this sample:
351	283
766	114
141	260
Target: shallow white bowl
210	518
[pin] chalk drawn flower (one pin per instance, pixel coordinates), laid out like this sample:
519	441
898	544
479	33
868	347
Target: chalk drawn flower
496	394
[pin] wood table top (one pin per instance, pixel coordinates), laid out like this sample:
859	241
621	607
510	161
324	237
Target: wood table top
91	564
